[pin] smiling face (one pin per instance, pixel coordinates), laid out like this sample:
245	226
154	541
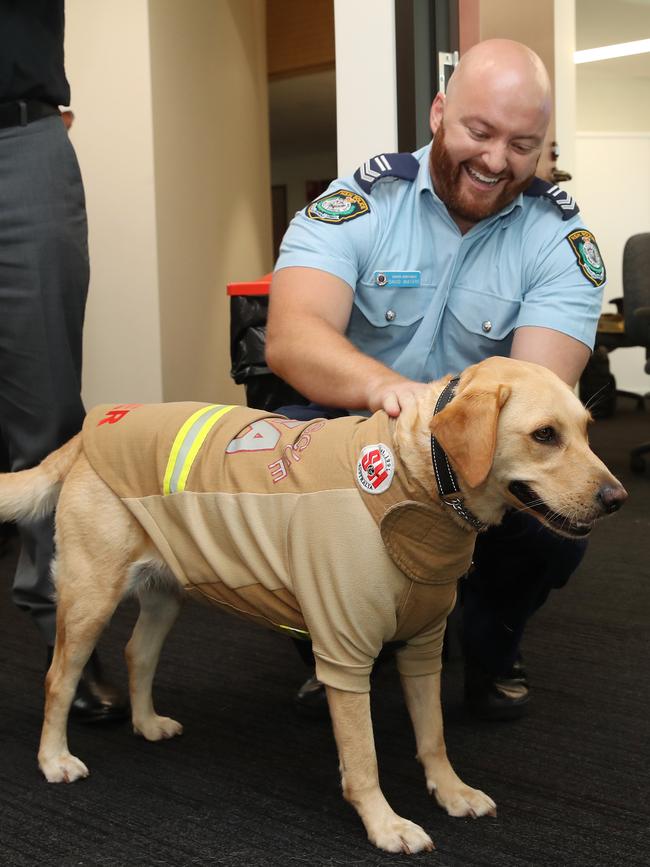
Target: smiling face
488	130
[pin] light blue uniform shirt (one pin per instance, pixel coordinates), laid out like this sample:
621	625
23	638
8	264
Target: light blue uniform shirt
447	300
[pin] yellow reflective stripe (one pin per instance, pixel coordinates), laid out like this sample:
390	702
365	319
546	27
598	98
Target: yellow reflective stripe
187	443
178	442
293	631
205	429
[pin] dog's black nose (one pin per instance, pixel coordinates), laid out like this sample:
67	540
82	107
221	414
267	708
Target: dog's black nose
612	497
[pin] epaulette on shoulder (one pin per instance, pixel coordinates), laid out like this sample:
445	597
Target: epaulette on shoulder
403	166
561	199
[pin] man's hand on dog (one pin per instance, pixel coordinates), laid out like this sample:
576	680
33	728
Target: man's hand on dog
394	394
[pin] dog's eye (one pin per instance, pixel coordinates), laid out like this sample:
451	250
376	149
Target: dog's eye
545	435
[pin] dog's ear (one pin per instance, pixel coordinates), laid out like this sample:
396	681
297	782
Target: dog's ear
467	430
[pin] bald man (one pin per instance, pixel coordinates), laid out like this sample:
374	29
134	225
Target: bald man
422	264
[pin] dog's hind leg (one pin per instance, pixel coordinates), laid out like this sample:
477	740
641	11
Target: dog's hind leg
97	540
159	607
81	617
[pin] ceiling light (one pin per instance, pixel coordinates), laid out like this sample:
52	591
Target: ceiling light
607	52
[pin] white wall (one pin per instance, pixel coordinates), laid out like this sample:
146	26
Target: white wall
608	102
172	137
613	190
366	83
108	66
613	149
213	187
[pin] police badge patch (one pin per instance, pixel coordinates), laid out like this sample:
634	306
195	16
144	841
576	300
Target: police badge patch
588	255
337	207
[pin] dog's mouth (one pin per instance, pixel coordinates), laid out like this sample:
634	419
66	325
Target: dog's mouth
528	498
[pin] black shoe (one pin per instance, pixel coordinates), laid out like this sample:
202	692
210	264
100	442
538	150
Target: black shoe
497	697
96	700
311	699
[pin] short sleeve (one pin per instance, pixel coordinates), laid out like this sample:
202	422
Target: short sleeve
560	290
334	233
423	651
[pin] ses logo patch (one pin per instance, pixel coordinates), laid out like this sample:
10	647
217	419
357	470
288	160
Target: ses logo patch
375	468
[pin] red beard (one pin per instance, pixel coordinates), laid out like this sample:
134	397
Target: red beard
446	176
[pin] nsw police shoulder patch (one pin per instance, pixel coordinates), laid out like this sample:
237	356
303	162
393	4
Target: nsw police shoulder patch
588	255
337	207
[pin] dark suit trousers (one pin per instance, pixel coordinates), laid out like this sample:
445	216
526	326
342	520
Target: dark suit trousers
43	287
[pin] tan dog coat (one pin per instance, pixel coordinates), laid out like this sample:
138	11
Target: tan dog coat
305	526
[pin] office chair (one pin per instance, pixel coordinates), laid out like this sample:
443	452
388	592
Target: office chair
635	307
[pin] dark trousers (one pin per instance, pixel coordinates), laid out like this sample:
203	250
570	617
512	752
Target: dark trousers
43	287
516	565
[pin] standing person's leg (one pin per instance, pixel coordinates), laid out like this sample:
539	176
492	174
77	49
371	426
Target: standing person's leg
7	530
516	565
43	286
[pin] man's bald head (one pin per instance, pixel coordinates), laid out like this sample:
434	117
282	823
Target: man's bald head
508	70
488	129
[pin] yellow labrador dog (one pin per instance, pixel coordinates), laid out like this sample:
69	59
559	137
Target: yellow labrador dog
354	530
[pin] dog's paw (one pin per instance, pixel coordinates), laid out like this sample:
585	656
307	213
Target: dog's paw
64	768
400	835
464	801
158	728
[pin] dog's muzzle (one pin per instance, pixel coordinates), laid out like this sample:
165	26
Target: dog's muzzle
532	502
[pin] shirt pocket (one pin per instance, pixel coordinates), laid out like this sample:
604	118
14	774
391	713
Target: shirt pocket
489	317
397	306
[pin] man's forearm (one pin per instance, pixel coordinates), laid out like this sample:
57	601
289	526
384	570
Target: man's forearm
325	367
562	354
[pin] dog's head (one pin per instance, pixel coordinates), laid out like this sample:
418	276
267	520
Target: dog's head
517	437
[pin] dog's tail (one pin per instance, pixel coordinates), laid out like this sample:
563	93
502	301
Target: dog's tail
33	493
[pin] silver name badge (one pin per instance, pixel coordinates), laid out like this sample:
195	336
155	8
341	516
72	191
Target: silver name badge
397	278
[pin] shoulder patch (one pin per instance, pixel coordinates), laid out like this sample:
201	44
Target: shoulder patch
337	207
403	166
566	204
588	255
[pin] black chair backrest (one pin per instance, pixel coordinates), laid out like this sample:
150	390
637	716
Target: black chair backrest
636	287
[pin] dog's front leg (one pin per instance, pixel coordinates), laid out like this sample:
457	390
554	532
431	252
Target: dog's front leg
350	713
423	700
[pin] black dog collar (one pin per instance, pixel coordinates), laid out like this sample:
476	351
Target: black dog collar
446	480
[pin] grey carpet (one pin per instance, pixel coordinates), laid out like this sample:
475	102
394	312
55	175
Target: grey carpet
249	783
